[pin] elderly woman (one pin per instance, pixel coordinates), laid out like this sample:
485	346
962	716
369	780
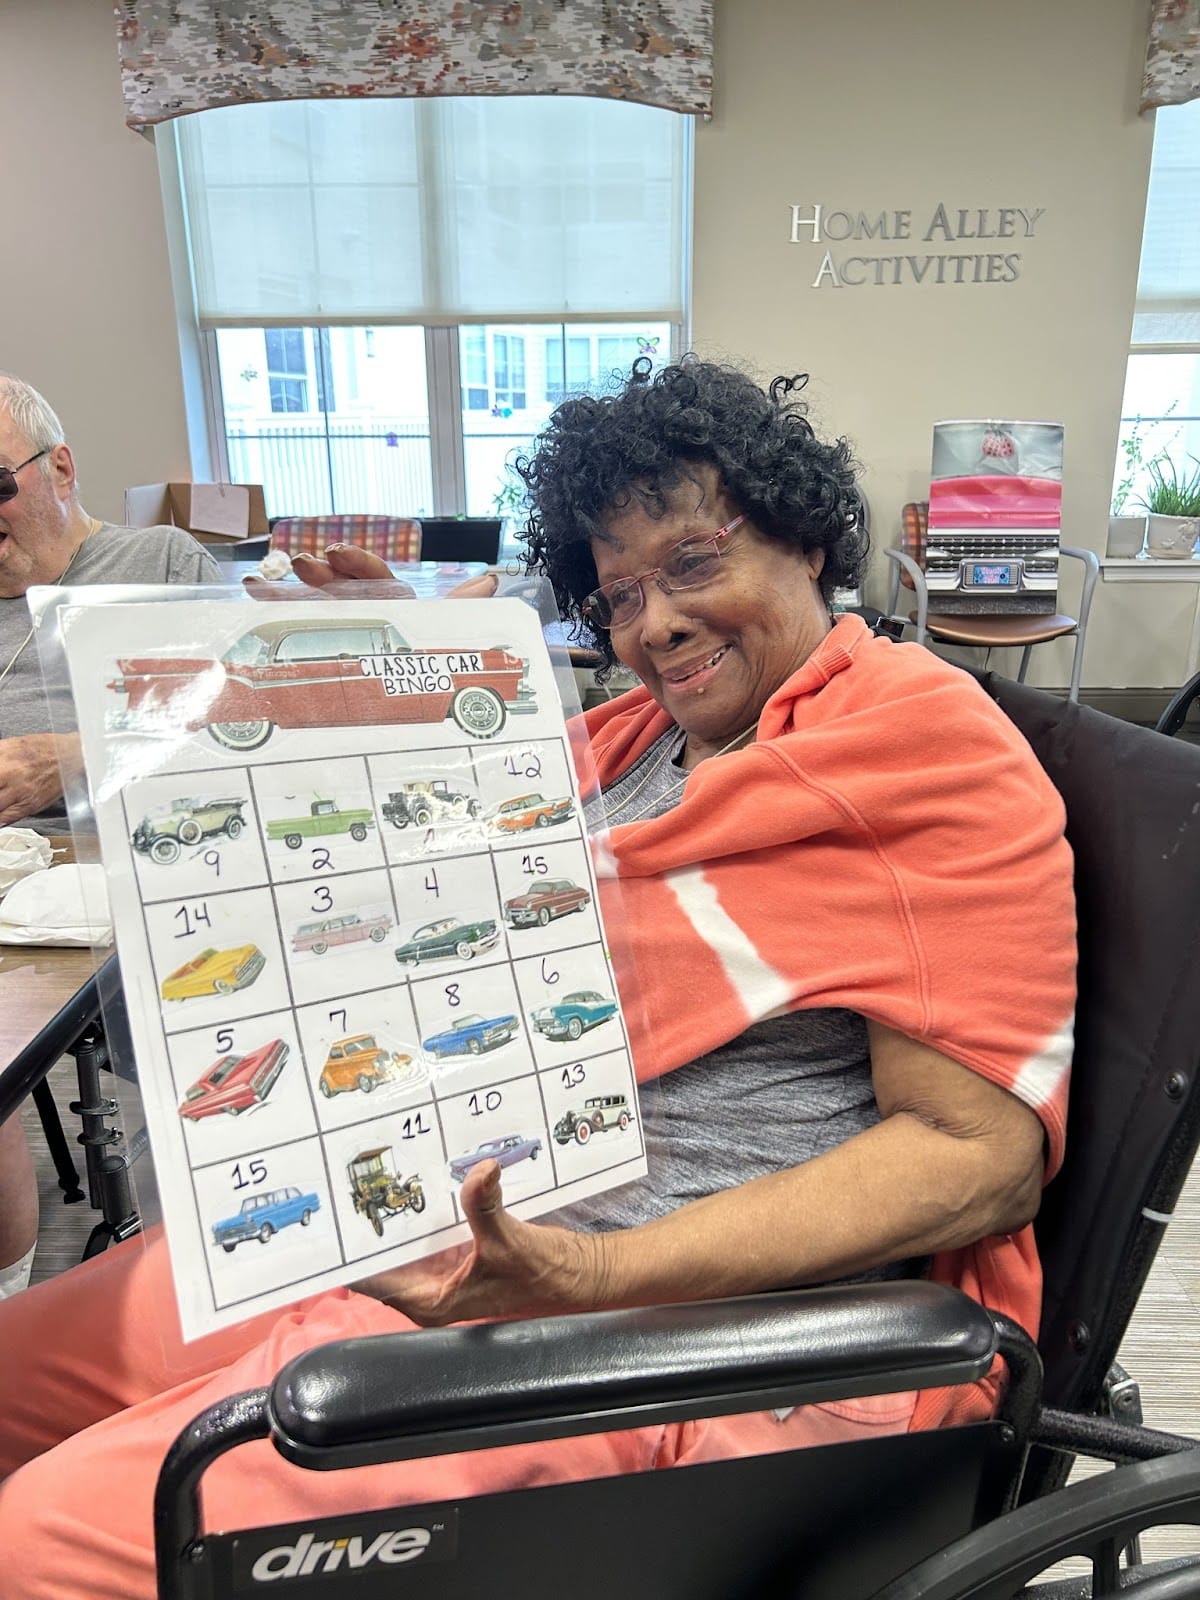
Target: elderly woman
846	905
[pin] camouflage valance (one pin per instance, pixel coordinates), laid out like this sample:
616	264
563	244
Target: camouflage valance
1173	54
179	56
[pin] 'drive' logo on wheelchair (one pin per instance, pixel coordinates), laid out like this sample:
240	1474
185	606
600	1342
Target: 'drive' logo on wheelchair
367	1548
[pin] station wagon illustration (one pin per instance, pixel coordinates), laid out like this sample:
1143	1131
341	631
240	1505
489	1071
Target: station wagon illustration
471	1036
312	672
448	936
362	1061
552	897
234	1083
348	928
165	829
262	1216
600	1113
530	811
214	972
573	1014
513	1147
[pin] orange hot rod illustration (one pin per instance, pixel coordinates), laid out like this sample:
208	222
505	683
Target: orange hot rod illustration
316	673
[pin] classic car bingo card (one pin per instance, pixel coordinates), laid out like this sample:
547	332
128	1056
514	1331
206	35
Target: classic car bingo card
358	928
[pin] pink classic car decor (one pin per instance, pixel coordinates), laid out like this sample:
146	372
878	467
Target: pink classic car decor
318	673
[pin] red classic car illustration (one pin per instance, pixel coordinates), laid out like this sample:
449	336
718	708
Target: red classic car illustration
233	1083
316	673
530	811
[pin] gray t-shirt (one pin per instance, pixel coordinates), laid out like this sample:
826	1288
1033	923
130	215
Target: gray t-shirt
784	1091
110	555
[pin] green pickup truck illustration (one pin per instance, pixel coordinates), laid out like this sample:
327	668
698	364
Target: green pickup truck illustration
324	816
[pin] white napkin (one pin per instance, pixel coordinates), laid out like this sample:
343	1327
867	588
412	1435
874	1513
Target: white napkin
21	852
62	905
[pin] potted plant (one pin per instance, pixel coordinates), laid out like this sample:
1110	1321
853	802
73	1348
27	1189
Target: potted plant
1127	532
1173	507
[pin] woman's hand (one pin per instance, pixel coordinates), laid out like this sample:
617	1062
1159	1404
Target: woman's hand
349	563
510	1268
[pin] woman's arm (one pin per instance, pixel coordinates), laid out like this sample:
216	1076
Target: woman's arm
954	1158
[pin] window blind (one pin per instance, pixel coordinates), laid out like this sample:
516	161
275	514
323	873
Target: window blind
434	211
1168	296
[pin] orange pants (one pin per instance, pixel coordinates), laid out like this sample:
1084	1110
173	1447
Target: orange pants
97	1383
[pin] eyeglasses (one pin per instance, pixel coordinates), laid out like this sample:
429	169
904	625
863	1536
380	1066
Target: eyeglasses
9	487
690	564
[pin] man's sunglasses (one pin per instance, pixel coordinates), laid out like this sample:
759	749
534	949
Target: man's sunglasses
9	487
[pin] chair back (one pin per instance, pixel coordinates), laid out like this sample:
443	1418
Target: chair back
454	539
914	535
393	538
1133	822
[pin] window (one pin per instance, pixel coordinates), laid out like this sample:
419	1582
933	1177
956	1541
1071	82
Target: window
1160	413
395	293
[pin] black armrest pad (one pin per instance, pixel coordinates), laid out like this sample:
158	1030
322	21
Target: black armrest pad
441	1390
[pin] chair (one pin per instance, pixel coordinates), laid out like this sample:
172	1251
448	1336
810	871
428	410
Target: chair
455	539
992	630
940	1504
393	538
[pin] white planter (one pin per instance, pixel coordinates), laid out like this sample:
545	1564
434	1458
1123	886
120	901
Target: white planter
1171	538
1126	536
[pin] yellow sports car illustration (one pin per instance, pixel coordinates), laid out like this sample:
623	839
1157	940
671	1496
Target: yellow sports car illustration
214	972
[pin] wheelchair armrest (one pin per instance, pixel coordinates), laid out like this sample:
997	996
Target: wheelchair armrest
402	1396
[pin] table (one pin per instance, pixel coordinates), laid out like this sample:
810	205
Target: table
36	981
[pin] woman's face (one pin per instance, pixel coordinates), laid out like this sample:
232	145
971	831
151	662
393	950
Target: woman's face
713	656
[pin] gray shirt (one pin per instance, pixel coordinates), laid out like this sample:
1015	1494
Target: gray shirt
110	555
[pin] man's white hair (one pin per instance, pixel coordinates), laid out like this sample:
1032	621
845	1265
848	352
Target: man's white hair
33	416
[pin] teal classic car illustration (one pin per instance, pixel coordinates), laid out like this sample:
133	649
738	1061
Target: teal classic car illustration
262	1215
573	1015
448	936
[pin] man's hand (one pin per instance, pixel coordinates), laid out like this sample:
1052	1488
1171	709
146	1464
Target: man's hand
31	773
348	563
510	1269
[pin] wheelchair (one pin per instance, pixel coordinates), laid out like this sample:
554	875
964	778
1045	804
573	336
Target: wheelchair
976	1511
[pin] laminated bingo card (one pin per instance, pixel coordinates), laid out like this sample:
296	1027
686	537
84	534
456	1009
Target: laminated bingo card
357	921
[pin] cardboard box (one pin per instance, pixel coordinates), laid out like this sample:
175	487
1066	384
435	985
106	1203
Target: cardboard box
214	513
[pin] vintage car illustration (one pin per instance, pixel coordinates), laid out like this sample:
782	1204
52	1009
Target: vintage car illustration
214	972
511	1148
471	1036
324	817
424	803
348	928
377	1191
164	830
234	1083
362	1061
552	897
573	1014
600	1113
313	672
262	1215
448	936
529	811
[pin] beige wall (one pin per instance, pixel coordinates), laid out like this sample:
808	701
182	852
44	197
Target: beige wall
881	106
86	313
876	106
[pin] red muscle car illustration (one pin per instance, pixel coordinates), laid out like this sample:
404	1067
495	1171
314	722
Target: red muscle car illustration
317	673
530	811
233	1083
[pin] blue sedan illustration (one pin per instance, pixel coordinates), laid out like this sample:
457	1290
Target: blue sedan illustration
262	1215
573	1014
471	1035
512	1147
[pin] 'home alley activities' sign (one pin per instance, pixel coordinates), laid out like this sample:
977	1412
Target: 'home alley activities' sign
358	927
949	246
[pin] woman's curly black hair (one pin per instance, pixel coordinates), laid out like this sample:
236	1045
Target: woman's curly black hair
597	455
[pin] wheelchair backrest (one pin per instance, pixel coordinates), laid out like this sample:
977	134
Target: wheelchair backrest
1133	821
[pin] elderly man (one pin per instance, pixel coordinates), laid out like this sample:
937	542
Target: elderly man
47	537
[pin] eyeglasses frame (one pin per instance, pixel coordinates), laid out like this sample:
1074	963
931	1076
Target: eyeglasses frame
12	473
653	572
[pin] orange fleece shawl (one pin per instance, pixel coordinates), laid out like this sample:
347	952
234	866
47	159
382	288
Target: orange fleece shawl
889	844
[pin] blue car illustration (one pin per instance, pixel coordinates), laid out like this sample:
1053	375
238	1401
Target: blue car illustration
471	1035
573	1014
262	1215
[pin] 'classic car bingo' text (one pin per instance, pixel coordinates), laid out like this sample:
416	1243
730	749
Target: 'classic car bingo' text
415	674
